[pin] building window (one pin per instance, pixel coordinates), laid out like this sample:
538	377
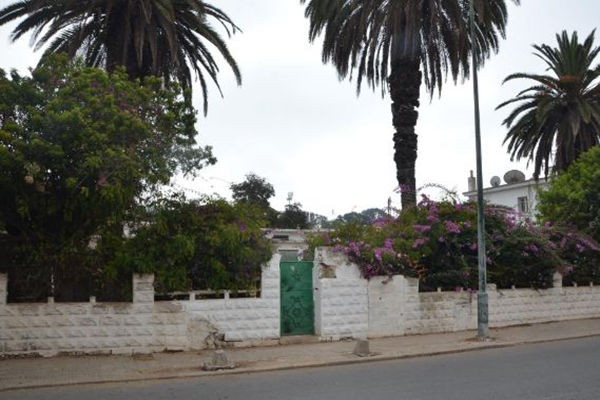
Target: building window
523	204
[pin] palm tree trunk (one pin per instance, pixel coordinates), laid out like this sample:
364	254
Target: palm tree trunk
405	85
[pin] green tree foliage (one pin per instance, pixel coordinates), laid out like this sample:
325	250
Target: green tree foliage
256	191
198	244
365	217
253	190
558	117
573	198
79	149
148	37
397	44
293	217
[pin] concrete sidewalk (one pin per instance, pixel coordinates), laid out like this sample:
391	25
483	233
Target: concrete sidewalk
59	371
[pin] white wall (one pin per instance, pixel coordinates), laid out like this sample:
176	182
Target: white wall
397	308
341	297
94	328
346	306
237	320
141	326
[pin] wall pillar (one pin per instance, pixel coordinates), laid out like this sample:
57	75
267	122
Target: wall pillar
143	288
557	280
3	289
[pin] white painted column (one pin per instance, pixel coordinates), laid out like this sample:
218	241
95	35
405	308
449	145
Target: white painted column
3	289
143	288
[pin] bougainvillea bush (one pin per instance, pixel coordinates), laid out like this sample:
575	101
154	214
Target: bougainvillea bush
437	242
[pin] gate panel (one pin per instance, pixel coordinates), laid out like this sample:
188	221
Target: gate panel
297	304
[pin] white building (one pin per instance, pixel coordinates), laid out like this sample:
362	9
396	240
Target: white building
516	192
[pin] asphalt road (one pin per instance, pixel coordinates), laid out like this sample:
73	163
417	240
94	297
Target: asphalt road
560	370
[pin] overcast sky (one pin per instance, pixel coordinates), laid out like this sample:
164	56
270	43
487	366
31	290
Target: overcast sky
294	123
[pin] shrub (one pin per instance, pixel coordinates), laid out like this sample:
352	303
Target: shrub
573	198
437	242
79	149
201	244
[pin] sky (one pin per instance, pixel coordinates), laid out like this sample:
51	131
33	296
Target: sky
296	124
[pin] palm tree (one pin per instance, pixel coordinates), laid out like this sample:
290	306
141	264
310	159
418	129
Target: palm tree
149	37
403	43
561	110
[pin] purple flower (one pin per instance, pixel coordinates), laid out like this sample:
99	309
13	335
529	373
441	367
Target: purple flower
474	246
378	253
452	227
441	239
389	243
467	224
580	248
422	228
419	242
339	249
353	248
433	218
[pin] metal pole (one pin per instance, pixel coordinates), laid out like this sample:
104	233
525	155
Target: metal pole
482	296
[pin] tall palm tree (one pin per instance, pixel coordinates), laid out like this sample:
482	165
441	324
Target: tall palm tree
149	37
561	110
398	44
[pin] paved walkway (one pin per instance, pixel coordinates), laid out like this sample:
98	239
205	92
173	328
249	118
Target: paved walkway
56	371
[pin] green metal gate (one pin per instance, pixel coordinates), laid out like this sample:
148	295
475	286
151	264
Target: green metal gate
297	305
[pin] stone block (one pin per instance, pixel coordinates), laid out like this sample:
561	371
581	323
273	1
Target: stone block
67	345
28	310
16	323
86	321
121	332
15	346
88	344
7	311
132	342
51	334
41	322
100	309
72	309
143	297
75	333
168	307
121	308
98	332
141	331
40	345
110	320
26	334
132	321
138	309
144	287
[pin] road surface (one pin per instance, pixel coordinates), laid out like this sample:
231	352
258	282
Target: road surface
550	371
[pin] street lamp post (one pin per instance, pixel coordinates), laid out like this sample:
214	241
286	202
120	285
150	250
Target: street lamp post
482	296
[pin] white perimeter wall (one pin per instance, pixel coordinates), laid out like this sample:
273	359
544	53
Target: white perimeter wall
142	326
346	306
395	307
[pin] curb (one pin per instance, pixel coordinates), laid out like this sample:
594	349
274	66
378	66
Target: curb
291	366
